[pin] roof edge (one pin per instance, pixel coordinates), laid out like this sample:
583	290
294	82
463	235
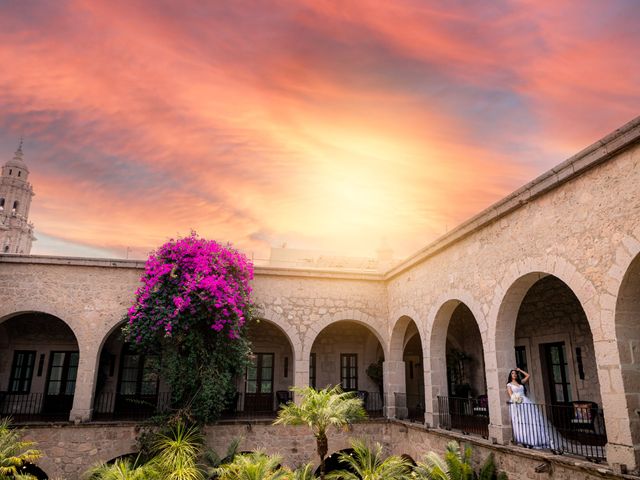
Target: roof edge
576	165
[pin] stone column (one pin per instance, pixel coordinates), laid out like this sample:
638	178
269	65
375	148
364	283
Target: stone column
497	367
435	385
301	376
393	373
82	409
619	406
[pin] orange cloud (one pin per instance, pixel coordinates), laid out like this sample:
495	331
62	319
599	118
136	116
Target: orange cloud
329	125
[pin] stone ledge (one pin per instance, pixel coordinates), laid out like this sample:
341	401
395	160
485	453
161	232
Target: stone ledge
566	461
139	265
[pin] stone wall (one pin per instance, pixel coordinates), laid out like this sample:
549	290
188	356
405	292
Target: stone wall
70	450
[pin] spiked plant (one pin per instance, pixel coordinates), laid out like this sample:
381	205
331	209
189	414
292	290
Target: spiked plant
122	469
370	464
253	466
214	461
14	452
305	472
456	464
320	410
177	452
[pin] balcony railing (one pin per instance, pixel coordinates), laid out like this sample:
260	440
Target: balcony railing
468	415
576	428
252	406
35	407
372	402
112	406
409	407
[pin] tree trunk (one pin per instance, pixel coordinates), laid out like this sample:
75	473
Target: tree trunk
323	447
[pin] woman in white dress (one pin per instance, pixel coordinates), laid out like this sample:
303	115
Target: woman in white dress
528	421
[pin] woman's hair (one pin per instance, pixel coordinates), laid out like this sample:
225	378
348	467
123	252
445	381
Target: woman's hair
518	377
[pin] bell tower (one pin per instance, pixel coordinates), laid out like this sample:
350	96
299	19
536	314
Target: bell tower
16	233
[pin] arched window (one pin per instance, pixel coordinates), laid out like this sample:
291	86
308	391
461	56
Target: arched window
6	248
10	171
15	206
19	172
1	204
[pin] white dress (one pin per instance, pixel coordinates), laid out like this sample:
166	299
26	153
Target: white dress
530	426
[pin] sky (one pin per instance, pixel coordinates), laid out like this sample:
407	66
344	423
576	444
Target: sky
322	125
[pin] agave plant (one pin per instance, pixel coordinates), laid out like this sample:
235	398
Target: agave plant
370	464
122	469
253	466
305	472
320	410
14	452
177	452
456	464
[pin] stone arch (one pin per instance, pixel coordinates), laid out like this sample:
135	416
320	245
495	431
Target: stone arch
525	281
503	313
41	352
436	346
343	350
52	312
404	382
521	276
627	325
398	330
272	347
278	320
355	316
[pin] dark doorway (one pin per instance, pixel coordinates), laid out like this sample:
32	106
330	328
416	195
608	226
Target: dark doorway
138	384
61	383
558	387
259	387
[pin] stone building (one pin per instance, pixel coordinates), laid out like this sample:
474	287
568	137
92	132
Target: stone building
547	278
16	233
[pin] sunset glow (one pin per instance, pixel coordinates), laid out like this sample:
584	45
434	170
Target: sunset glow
325	125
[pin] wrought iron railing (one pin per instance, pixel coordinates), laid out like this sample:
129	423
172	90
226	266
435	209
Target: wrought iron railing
372	402
255	406
576	428
112	406
35	407
409	407
247	406
468	415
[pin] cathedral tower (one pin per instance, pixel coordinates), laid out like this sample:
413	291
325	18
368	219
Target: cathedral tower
16	233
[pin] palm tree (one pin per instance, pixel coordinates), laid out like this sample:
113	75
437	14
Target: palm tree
305	472
253	466
456	464
177	452
370	464
14	452
321	409
214	461
122	469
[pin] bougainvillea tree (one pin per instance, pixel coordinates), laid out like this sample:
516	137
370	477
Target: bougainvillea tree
192	308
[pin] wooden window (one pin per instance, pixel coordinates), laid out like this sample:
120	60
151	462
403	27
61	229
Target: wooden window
63	369
22	371
312	370
260	374
349	371
138	373
521	358
556	372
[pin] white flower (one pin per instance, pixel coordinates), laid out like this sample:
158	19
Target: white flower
516	398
